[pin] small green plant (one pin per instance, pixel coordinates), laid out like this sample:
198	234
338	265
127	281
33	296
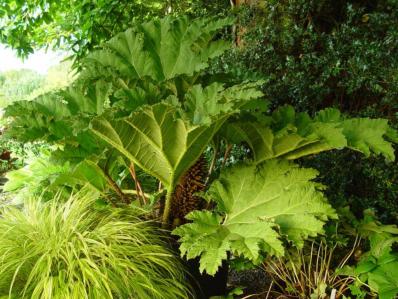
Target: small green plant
34	179
72	250
310	272
376	273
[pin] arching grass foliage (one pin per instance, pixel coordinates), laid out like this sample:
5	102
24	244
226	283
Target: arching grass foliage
73	250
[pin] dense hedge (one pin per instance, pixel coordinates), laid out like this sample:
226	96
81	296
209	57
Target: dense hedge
322	53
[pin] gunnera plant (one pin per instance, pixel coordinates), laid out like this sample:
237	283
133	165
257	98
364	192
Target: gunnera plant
74	250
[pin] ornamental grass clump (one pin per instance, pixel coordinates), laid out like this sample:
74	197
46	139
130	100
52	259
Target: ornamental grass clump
73	250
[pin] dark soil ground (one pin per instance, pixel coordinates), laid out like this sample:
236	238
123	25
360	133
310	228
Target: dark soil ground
256	282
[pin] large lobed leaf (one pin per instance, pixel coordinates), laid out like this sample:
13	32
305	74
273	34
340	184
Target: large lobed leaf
160	49
290	135
257	207
38	176
154	138
57	116
34	120
41	175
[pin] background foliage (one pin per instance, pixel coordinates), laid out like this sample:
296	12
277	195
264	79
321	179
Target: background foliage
80	26
18	85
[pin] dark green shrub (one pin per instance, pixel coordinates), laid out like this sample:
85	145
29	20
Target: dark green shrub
320	53
360	183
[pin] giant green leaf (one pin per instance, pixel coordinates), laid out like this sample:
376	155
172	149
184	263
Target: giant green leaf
49	104
57	116
368	136
160	49
266	144
32	120
292	135
157	140
257	207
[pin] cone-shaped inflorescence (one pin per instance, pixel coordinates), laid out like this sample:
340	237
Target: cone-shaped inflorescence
185	198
